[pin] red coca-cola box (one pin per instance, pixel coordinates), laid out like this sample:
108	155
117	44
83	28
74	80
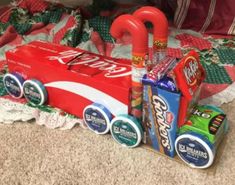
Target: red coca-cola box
74	78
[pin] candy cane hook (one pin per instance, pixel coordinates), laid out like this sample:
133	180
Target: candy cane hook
160	31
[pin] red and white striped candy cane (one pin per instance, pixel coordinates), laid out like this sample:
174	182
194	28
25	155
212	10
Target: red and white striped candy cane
137	30
160	31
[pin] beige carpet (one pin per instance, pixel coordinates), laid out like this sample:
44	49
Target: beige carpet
32	155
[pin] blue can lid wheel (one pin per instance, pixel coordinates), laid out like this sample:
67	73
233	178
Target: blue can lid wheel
35	92
97	118
195	150
126	130
13	84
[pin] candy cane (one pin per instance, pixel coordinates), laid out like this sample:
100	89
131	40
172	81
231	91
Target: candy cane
160	31
133	26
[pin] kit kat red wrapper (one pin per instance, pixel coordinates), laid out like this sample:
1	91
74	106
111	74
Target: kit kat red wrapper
189	75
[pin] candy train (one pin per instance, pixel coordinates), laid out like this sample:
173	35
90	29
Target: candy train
117	95
160	31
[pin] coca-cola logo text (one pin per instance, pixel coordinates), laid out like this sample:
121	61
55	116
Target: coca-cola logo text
113	69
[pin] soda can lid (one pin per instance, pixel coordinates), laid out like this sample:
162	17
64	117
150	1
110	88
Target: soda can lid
195	150
97	118
126	130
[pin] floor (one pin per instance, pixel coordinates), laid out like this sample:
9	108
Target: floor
32	154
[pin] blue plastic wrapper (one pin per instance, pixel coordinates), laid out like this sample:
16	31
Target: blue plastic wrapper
167	83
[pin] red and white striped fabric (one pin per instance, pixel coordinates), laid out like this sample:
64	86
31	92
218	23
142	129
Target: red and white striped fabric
188	40
174	52
5	14
210	17
33	6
